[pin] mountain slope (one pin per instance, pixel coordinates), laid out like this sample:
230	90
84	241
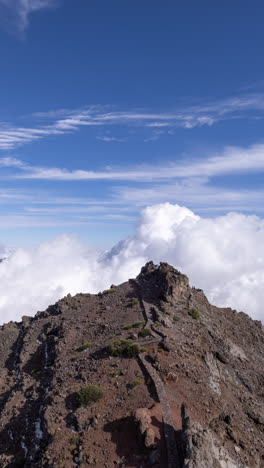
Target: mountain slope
187	389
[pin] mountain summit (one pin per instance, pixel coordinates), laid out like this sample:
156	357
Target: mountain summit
144	374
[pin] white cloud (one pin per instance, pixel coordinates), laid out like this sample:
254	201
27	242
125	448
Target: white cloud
110	139
196	193
61	220
11	162
13	196
4	253
230	160
17	12
189	182
62	121
224	256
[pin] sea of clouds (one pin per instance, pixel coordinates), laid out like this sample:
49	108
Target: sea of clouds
224	256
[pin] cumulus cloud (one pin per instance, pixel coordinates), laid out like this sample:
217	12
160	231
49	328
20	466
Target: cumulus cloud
224	256
4	252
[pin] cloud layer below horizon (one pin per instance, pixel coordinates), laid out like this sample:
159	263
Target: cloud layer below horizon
224	256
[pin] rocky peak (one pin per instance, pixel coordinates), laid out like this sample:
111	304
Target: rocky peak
165	280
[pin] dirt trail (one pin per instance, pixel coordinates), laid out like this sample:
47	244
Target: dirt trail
171	444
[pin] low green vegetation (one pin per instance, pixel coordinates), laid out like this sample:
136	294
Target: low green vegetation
194	313
89	394
138	324
128	326
145	332
124	348
116	373
234	385
133	302
133	384
109	291
75	357
72	448
75	440
85	346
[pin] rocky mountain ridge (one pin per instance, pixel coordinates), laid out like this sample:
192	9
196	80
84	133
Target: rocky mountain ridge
144	374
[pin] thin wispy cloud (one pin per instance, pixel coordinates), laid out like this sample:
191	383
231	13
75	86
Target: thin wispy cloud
13	195
92	209
11	162
107	139
191	182
16	13
125	203
63	121
25	221
232	160
197	194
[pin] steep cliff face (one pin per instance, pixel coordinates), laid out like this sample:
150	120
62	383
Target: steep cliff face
186	390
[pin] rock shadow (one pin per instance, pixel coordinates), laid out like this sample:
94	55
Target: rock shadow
72	402
125	436
18	446
40	363
13	359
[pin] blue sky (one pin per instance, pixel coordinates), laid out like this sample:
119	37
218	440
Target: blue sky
107	107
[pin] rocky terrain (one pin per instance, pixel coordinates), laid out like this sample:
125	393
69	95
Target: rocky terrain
183	388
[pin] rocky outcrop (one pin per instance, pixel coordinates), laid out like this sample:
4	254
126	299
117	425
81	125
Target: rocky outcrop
202	449
143	418
169	283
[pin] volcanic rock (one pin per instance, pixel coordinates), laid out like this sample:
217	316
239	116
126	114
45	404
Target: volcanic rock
189	394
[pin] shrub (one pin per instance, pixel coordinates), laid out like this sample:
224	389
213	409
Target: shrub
89	395
123	347
75	440
138	324
145	332
116	373
133	384
128	326
194	313
109	291
134	302
85	346
75	357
